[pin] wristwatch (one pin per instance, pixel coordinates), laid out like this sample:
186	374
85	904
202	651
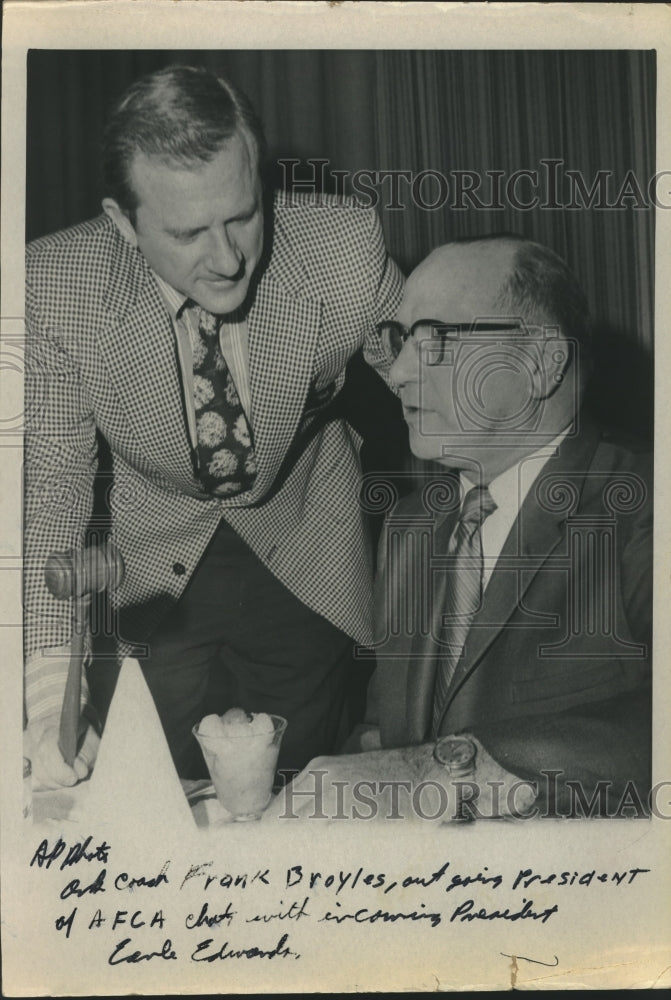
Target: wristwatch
456	754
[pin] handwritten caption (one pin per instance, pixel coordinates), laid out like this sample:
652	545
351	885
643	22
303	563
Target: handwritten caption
142	922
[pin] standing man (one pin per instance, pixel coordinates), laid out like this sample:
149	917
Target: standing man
205	340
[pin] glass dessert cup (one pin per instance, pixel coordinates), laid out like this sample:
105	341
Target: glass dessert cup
242	766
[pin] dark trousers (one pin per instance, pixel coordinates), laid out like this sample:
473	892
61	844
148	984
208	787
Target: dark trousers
238	637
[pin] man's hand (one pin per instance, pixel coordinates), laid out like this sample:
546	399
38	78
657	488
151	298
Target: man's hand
405	782
490	792
49	768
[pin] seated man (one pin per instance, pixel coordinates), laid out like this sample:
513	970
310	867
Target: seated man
514	590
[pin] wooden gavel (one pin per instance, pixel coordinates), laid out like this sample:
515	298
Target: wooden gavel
78	574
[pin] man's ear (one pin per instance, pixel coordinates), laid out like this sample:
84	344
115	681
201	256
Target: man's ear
120	220
551	364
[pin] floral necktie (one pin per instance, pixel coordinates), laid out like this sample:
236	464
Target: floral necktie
226	459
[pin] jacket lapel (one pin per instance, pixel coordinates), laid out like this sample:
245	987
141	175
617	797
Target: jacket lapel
139	349
407	608
284	325
536	533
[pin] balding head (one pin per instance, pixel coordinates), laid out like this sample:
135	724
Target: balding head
504	275
469	277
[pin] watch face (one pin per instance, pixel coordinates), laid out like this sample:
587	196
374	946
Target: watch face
455	752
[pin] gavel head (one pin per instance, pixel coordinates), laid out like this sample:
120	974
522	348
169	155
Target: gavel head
84	571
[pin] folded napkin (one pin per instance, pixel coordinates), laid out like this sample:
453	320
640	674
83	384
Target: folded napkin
134	781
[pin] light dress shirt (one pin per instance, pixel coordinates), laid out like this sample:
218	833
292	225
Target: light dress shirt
233	340
508	491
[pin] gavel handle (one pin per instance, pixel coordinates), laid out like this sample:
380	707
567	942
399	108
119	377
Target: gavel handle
68	733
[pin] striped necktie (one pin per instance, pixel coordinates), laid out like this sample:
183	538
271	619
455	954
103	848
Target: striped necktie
226	459
462	594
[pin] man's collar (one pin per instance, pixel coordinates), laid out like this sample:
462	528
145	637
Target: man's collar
174	300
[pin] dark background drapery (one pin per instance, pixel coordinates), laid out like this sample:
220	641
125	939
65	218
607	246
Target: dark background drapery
445	111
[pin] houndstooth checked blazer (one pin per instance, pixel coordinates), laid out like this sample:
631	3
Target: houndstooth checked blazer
100	355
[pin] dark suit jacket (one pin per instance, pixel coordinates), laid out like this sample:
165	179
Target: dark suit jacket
555	673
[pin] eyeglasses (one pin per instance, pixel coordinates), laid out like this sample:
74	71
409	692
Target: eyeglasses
436	334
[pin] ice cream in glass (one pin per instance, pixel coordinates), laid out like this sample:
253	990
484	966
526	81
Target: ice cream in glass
240	750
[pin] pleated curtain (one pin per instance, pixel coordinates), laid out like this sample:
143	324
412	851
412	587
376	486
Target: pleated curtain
489	112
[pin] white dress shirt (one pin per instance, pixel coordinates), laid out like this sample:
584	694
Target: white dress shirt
509	491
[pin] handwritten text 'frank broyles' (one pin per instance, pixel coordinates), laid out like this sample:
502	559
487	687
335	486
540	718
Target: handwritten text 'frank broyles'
210	915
